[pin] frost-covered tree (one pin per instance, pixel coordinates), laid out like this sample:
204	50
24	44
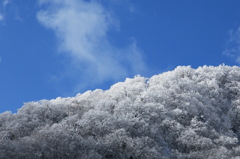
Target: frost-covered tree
181	114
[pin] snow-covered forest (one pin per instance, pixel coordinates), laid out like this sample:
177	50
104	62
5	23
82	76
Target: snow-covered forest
181	114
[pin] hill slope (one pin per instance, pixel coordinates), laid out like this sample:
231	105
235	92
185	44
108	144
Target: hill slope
184	113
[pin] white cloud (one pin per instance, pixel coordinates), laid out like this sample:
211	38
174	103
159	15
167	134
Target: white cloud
82	30
233	45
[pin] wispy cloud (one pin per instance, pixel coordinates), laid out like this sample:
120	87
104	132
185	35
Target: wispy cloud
82	28
5	3
233	45
3	7
1	17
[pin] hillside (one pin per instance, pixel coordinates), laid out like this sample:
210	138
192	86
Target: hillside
181	114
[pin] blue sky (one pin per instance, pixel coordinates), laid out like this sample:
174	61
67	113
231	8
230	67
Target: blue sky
51	48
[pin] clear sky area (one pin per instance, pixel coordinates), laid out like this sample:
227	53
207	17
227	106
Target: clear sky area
52	48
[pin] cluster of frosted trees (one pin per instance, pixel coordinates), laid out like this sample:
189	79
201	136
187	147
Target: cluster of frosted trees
182	114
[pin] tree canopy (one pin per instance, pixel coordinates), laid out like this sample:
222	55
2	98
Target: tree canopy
181	114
